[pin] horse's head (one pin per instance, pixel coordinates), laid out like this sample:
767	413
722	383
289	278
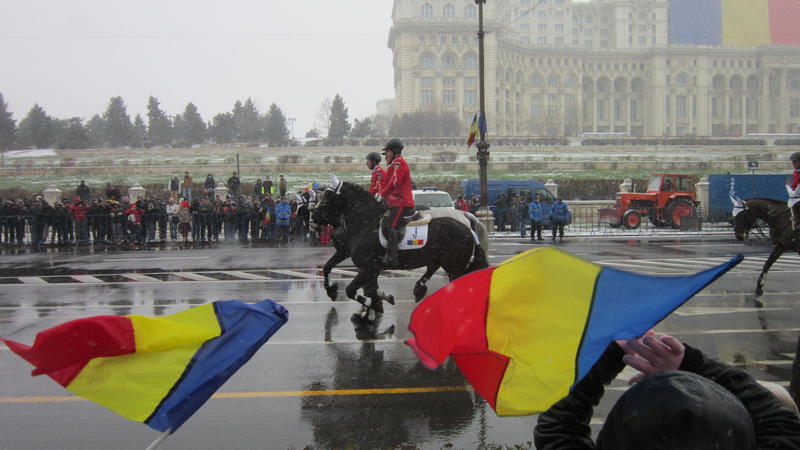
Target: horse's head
743	219
329	205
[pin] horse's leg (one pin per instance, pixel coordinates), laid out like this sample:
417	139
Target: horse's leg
420	289
332	289
373	299
776	253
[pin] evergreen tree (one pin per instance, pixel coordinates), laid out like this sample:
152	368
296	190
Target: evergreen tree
362	128
139	133
8	126
223	128
159	127
193	126
97	127
118	123
72	134
313	133
275	131
36	129
339	123
247	121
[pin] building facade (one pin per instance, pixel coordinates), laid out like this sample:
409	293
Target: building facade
566	68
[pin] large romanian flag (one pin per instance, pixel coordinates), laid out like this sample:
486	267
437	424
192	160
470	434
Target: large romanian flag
156	370
737	23
524	332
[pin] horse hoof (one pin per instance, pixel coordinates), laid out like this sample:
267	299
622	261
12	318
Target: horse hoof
367	302
419	293
332	291
389	299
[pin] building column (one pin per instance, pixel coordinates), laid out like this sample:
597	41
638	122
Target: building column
763	105
783	109
744	115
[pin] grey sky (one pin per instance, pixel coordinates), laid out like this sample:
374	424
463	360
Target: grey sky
71	57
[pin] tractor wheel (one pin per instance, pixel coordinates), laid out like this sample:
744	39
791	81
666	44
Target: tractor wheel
631	219
677	210
657	217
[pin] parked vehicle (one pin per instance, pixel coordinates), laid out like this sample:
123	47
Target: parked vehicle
432	197
529	188
669	199
722	187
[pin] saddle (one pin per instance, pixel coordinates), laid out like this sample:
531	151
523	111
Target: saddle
415	233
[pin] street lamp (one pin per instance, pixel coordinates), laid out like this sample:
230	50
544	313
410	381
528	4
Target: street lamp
291	123
483	213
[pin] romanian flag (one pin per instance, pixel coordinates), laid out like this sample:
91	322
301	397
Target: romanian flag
525	332
415	242
473	131
740	23
156	370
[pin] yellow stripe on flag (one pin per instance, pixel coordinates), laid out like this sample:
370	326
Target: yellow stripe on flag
134	385
539	303
745	23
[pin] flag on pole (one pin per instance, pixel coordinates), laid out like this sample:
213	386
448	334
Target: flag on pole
155	370
525	332
473	131
482	125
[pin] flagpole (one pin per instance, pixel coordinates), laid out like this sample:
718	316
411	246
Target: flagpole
483	213
160	439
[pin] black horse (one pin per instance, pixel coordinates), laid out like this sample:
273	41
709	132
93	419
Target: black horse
778	217
356	216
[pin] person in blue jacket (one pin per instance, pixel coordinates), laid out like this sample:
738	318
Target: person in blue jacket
283	213
560	216
536	216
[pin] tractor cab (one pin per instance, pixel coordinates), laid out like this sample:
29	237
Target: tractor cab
668	200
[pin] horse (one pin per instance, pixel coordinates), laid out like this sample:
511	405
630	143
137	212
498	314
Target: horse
356	216
777	215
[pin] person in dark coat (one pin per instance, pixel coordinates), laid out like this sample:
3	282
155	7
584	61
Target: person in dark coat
705	404
83	192
536	216
210	185
233	185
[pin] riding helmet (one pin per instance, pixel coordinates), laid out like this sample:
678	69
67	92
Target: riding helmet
374	156
795	156
395	145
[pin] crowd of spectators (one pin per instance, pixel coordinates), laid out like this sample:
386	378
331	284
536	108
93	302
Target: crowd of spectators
265	216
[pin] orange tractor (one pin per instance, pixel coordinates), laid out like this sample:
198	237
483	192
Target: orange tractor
668	200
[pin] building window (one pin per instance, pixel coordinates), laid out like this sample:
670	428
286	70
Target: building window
448	81
524	27
449	11
536	80
634	110
536	98
667	111
427	11
542	27
448	97
470	62
601	110
541	13
470	12
449	61
470	97
536	111
541	40
552	111
470	81
694	107
680	106
427	97
552	98
794	107
714	109
617	110
559	41
427	61
427	82
525	40
553	80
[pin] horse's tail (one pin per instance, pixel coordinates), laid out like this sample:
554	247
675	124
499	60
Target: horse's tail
479	259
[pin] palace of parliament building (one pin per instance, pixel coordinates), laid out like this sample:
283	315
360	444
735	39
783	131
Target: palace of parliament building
638	67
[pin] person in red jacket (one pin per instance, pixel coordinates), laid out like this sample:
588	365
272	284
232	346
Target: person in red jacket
793	183
396	191
378	174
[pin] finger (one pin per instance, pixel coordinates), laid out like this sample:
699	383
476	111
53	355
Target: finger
624	346
674	345
655	344
643	350
637	378
639	364
649	332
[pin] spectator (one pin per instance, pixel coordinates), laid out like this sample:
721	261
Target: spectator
269	186
209	186
462	204
117	214
560	216
133	221
172	218
186	188
233	185
501	212
112	192
229	219
184	221
522	214
83	192
474	203
681	400
283	214
258	189
281	185
79	211
536	216
174	188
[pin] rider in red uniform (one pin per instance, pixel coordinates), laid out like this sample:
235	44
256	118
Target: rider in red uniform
795	158
378	174
397	192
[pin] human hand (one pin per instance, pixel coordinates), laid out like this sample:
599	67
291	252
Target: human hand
378	198
652	354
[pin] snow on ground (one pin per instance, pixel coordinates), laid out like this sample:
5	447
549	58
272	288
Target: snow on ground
29	153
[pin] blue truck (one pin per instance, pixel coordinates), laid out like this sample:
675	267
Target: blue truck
744	186
528	188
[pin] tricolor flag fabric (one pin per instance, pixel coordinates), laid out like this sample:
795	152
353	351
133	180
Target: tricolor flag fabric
740	23
473	131
525	332
415	242
155	370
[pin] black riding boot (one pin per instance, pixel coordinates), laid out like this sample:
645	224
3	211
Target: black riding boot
392	258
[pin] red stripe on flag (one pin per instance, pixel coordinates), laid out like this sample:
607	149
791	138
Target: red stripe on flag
484	370
784	16
61	352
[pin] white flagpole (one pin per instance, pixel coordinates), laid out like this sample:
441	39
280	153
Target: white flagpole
160	439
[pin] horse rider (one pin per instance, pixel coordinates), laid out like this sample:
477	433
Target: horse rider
378	174
795	208
399	199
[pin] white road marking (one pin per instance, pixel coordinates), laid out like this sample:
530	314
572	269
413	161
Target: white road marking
87	279
164	258
195	276
705	311
140	277
294	273
32	280
245	275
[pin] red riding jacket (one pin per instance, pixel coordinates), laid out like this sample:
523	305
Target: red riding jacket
378	175
795	179
397	190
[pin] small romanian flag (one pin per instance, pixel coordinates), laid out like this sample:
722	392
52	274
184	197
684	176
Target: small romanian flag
155	370
525	332
415	242
473	131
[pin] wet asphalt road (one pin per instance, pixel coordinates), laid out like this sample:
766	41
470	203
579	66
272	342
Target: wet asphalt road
321	381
